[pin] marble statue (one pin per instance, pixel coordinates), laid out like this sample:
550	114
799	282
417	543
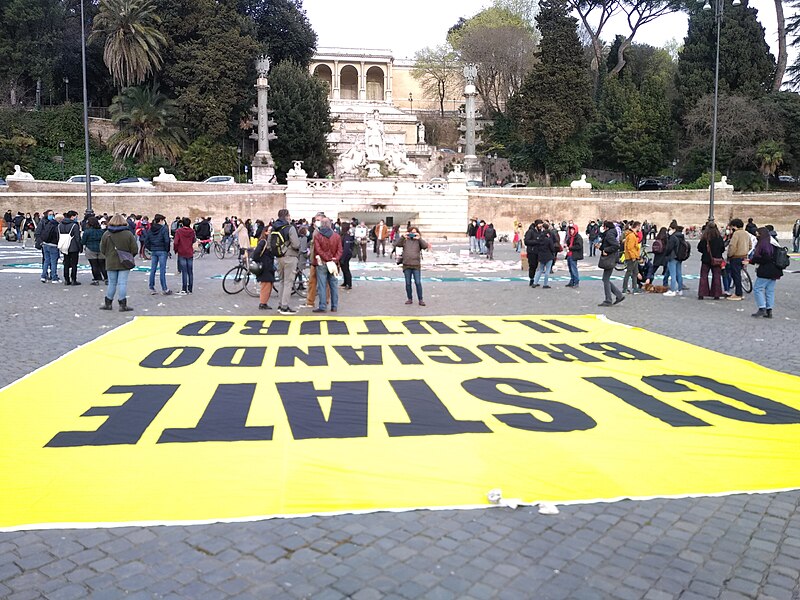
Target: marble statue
164	176
420	133
581	184
722	185
374	136
351	161
297	171
19	175
398	162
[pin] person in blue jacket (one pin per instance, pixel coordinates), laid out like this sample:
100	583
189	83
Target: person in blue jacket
156	240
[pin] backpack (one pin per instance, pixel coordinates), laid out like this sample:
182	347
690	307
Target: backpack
11	235
683	251
781	257
65	240
277	241
227	229
658	246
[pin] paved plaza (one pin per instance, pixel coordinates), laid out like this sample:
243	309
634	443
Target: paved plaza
735	547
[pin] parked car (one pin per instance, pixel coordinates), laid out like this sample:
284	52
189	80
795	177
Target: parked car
447	151
220	179
82	179
474	183
786	179
2	181
514	184
134	181
648	185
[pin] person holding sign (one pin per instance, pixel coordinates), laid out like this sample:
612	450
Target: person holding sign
412	244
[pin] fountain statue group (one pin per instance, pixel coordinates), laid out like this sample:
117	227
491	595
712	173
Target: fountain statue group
374	150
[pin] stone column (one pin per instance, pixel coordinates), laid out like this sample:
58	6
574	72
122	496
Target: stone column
472	165
263	165
336	83
389	75
362	83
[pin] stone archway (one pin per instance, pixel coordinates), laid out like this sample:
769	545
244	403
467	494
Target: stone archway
375	79
348	83
324	73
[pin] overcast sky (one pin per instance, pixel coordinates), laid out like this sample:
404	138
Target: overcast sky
405	27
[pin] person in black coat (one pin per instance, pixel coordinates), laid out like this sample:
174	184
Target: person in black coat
69	225
767	274
263	256
711	248
545	249
348	242
533	261
609	246
574	244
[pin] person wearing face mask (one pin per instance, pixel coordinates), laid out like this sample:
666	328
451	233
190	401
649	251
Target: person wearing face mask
738	249
545	249
28	227
675	242
609	250
49	241
472	229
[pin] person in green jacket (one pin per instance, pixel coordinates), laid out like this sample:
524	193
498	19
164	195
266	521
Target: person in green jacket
117	237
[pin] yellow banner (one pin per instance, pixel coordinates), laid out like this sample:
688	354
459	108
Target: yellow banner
187	419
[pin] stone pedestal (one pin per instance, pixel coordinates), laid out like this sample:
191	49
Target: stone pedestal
472	168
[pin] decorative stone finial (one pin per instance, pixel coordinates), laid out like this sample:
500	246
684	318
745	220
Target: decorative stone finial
262	65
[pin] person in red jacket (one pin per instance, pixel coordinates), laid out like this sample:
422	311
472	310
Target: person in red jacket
184	248
327	252
480	235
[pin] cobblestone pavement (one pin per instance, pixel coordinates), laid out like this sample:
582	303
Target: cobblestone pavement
734	547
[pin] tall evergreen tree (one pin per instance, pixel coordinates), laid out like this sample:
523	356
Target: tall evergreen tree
554	105
746	65
302	114
283	27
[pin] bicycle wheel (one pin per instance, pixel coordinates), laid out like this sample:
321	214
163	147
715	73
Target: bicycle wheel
620	266
147	254
300	284
198	251
747	283
235	280
252	287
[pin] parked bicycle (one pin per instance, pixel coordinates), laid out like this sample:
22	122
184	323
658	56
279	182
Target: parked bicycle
240	278
299	283
202	247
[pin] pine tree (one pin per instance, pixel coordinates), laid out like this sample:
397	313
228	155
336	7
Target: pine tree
554	105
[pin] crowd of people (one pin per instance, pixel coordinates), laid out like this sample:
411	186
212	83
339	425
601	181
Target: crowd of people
281	246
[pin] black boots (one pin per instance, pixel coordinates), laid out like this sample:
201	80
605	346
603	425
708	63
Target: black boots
123	305
769	314
760	313
108	304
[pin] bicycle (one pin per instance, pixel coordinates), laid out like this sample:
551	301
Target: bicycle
620	266
240	278
747	283
299	283
202	248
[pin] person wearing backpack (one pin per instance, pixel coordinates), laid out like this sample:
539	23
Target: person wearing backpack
69	243
767	273
284	244
675	254
262	254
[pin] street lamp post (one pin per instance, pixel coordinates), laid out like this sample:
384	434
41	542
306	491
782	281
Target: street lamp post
719	7
239	161
89	211
411	101
61	145
66	89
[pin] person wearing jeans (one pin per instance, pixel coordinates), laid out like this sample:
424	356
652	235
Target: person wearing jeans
50	267
117	237
574	244
609	246
545	248
767	274
738	249
156	239
327	249
412	244
183	244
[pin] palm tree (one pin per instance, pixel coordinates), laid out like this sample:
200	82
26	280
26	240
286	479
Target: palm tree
148	126
770	157
132	40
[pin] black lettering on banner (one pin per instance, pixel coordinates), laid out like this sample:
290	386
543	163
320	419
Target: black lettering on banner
126	423
565	353
358	357
505	353
646	403
618	351
206	328
261	327
377	327
426	327
334	327
405	355
772	413
238	357
172	358
476	327
565	326
563	417
460	355
531	325
427	414
224	419
288	355
347	417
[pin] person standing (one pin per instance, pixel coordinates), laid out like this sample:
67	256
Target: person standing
530	250
673	252
327	253
711	248
156	240
472	230
28	227
117	237
263	256
545	249
361	233
183	244
69	226
632	250
348	241
796	236
480	236
574	245
49	240
609	247
490	235
592	233
287	264
381	235
91	247
412	244
738	249
767	274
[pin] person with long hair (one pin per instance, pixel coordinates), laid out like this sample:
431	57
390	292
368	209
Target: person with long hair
609	245
711	248
767	273
117	237
263	256
92	236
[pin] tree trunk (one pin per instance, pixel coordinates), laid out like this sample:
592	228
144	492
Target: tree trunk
780	70
621	55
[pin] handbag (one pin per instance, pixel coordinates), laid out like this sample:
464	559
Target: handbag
717	262
256	268
608	261
125	258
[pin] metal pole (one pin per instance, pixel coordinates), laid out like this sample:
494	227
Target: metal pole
719	7
89	211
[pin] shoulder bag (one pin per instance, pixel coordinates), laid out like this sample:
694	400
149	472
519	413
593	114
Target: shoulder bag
125	258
